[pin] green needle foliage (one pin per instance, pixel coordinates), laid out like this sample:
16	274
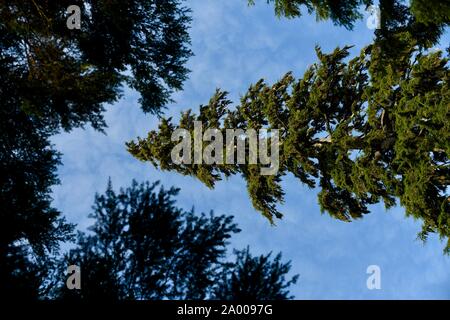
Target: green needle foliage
370	129
141	246
347	12
66	76
341	12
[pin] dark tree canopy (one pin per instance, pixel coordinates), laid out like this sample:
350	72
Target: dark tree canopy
27	173
66	76
30	227
53	78
21	274
370	129
141	246
254	278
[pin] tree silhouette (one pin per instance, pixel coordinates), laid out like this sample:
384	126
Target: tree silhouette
30	228
65	76
370	129
254	278
53	78
21	274
141	246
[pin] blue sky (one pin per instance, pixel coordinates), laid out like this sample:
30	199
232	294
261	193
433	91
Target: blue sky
235	46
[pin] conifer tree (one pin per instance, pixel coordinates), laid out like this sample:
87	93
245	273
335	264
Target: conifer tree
141	246
65	76
53	78
254	278
341	12
30	229
363	130
346	12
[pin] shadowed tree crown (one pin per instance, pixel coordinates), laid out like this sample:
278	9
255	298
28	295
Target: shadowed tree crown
141	246
66	76
54	78
30	227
